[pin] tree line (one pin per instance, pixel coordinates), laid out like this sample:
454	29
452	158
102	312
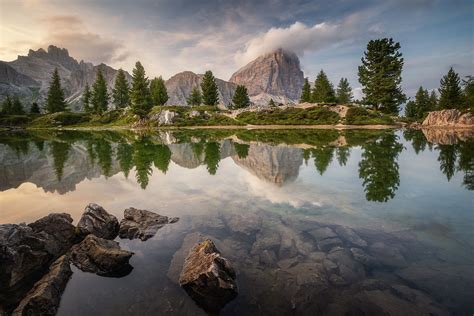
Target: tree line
380	75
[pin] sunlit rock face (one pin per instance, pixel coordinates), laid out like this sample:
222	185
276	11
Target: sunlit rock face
180	86
39	168
449	118
274	75
35	71
274	164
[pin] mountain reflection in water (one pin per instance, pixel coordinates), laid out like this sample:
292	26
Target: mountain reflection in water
315	221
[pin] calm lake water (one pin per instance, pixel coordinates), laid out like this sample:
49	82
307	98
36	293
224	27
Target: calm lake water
315	221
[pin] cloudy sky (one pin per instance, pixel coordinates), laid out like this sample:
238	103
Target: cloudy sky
170	36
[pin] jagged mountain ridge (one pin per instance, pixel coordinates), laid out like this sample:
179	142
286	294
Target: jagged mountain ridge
276	75
35	70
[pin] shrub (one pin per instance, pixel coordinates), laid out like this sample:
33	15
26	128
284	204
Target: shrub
362	116
290	116
14	120
60	118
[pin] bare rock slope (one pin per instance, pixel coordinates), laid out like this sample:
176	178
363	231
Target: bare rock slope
449	118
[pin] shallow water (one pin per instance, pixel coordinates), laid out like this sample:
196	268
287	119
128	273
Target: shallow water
283	206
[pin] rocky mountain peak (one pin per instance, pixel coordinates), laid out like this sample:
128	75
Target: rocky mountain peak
54	54
274	75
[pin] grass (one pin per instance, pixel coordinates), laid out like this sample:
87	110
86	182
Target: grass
290	116
14	120
362	116
60	119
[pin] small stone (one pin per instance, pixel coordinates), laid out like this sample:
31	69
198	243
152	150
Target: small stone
95	220
101	256
208	277
322	233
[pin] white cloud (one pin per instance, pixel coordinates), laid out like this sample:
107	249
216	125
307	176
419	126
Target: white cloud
299	38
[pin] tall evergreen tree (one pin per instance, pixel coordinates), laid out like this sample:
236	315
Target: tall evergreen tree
411	109
120	91
381	75
140	93
195	98
17	107
450	94
468	91
55	100
305	92
7	105
344	92
158	91
86	99
323	90
433	101
100	95
210	95
34	109
271	103
241	98
422	104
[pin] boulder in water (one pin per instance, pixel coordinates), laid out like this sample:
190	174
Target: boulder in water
95	220
208	277
142	224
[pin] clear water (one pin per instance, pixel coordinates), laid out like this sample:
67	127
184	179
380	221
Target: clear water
260	195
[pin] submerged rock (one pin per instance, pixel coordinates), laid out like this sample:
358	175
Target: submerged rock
44	297
95	220
142	224
102	257
208	277
28	249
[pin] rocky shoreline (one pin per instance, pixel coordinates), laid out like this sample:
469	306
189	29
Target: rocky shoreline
35	258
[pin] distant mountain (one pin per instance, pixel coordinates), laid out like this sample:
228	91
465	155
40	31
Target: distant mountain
29	76
180	86
276	75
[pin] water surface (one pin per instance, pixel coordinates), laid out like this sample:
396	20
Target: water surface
283	206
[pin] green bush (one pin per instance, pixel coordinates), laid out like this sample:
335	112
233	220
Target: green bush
362	116
290	116
210	119
60	119
14	120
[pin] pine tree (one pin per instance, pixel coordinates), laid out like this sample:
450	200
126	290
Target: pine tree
410	109
55	100
158	91
120	91
140	94
271	103
344	92
86	99
241	98
100	96
422	100
7	105
433	101
468	91
17	107
209	90
305	92
195	97
34	109
323	90
450	94
381	75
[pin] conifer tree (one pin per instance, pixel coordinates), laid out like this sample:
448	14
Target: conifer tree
17	107
34	109
323	90
86	99
433	101
468	85
210	95
195	97
241	97
381	75
271	103
55	100
140	93
7	105
410	109
421	105
450	94
158	91
344	92
100	95
120	91
305	92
